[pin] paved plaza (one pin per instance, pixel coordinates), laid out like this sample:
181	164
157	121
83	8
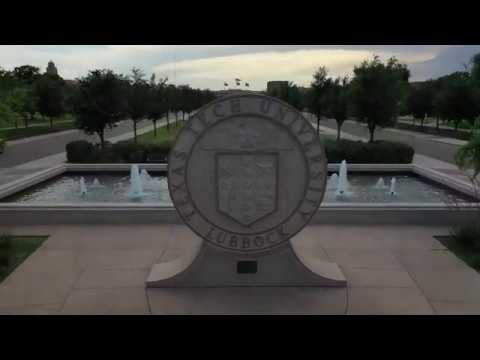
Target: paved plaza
102	270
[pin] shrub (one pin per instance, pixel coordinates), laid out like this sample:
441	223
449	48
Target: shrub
378	152
121	152
467	236
2	145
5	242
5	246
158	153
80	151
129	152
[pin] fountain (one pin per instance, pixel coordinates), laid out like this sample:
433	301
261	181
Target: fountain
136	188
83	187
145	176
332	182
96	184
392	187
380	185
150	183
343	185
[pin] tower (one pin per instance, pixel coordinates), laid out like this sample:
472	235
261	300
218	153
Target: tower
51	68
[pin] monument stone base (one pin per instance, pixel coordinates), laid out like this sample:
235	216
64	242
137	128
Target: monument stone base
205	266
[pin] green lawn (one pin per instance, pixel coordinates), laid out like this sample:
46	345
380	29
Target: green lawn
464	242
464	124
163	135
14	250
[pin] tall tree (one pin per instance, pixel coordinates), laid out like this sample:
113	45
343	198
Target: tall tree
137	104
157	101
420	100
26	74
23	101
475	69
458	100
377	90
185	93
337	102
172	101
7	83
100	102
316	96
50	93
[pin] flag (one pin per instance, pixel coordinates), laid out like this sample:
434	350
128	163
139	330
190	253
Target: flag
247	84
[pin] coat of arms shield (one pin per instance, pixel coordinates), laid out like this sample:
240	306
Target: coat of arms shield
247	185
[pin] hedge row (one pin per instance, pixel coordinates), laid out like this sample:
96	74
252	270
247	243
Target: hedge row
358	152
81	151
355	152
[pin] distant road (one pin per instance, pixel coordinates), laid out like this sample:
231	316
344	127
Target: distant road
424	144
34	148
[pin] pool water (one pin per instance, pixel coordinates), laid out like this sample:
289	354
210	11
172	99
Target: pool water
114	188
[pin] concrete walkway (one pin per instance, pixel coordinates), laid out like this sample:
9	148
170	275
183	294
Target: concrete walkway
102	270
41	137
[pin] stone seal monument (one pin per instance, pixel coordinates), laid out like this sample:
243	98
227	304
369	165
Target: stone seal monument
247	173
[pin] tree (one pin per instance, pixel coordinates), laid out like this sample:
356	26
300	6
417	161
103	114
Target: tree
6	112
316	96
458	100
377	90
420	100
137	95
7	83
206	97
100	102
468	159
337	102
23	100
157	101
475	69
185	93
170	98
26	74
49	90
294	96
468	156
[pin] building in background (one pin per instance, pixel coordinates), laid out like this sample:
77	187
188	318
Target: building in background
277	87
221	93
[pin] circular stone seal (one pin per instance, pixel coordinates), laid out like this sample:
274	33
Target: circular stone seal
246	173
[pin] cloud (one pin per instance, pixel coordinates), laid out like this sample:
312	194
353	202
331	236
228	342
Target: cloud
209	65
447	61
258	68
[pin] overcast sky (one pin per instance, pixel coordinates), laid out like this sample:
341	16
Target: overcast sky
209	66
